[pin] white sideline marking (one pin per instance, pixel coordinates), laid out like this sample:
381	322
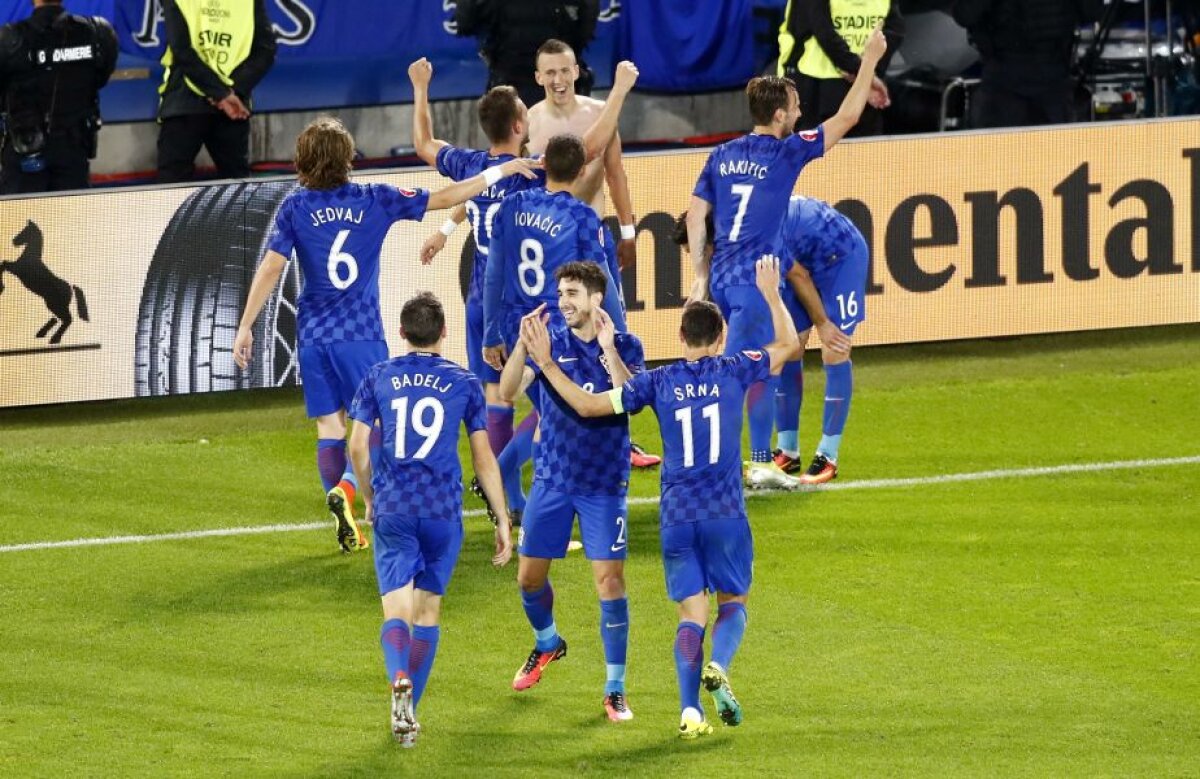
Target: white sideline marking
865	484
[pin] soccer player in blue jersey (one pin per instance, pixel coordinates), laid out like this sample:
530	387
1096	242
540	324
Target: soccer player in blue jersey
746	183
505	121
829	287
336	230
535	232
705	534
566	485
413	491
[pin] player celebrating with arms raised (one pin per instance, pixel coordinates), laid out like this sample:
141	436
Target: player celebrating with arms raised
336	229
746	183
415	496
706	541
566	485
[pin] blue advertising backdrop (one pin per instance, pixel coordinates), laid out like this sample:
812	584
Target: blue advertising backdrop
339	53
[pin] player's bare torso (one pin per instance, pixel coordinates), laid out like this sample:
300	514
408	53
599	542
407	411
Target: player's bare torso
547	121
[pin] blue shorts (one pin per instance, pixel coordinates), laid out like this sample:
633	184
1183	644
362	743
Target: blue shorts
748	316
484	372
843	290
550	515
421	551
714	554
331	373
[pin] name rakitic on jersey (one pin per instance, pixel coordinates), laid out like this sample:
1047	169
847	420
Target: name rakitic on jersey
743	168
545	223
428	380
324	215
690	391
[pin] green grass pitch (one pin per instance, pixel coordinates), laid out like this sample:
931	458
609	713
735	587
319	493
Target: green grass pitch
1037	626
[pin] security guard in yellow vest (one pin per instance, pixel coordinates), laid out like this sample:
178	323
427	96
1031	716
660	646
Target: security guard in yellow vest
819	46
217	52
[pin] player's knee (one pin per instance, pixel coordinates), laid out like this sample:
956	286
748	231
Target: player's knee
610	585
531	581
830	357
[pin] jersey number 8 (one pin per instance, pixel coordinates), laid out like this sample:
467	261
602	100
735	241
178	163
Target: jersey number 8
530	272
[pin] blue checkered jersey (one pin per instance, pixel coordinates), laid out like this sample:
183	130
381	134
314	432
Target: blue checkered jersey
580	455
420	400
748	181
536	232
461	164
817	235
699	409
337	235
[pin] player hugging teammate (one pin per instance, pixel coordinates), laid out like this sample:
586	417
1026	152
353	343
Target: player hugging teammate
545	317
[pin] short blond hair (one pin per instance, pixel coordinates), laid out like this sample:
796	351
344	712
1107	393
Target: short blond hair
324	154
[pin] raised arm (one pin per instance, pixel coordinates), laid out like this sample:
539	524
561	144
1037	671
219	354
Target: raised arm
487	470
697	232
618	189
265	279
598	136
786	344
536	340
420	73
466	189
850	111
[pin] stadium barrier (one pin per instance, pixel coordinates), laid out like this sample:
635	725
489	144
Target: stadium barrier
133	293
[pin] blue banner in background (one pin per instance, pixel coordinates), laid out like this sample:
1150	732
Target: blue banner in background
344	53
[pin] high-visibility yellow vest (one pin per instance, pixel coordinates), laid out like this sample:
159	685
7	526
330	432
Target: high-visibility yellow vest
853	20
221	32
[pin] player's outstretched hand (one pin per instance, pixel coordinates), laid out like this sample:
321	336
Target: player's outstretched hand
504	548
495	356
606	333
433	244
536	339
420	73
766	274
833	338
625	76
521	166
876	45
243	345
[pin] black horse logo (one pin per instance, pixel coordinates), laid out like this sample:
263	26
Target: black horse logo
41	281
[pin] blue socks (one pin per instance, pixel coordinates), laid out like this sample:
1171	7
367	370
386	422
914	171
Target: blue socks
788	398
689	657
420	657
839	388
539	609
516	453
727	633
331	461
614	635
760	410
395	638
